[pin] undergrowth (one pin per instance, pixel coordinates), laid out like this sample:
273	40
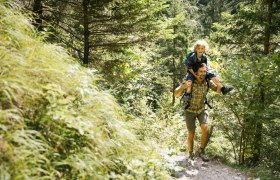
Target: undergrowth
54	121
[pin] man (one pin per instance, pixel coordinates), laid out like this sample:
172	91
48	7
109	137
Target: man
196	109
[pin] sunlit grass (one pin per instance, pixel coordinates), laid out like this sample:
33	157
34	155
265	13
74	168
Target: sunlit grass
54	121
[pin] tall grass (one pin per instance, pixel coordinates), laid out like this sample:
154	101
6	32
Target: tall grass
54	121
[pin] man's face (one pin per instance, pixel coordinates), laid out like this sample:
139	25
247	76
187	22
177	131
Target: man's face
201	73
200	50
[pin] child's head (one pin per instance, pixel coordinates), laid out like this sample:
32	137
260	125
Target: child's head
200	43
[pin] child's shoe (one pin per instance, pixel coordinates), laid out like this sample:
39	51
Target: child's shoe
226	89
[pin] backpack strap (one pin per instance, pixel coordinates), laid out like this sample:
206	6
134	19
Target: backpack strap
190	55
206	100
193	56
208	84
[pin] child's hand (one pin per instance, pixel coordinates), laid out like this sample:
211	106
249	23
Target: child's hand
197	77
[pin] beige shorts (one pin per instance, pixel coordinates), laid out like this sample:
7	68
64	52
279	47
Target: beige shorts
190	118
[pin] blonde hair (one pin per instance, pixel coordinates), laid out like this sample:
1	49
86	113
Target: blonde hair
200	42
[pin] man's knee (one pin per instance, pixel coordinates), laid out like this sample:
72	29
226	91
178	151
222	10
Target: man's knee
191	134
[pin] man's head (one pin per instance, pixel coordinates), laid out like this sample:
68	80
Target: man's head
201	72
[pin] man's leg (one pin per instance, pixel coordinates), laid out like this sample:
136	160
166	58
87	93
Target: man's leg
202	117
190	120
190	140
204	135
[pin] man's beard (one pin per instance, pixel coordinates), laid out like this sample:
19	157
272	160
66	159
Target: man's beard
202	77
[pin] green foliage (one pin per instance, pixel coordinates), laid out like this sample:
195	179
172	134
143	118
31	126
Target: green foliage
55	123
76	131
96	28
248	41
249	29
254	102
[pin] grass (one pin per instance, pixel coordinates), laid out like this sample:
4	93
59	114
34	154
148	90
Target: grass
55	123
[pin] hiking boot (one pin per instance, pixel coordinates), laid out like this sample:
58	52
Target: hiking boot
226	89
191	156
202	155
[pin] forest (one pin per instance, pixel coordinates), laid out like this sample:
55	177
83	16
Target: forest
87	86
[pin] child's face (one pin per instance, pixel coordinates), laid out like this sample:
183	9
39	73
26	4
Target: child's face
200	49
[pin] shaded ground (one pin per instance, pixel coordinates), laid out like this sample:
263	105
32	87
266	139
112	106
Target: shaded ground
184	169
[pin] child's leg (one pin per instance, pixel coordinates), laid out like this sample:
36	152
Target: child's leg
215	80
218	84
190	86
188	96
190	78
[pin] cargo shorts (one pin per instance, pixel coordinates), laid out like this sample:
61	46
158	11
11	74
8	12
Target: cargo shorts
190	118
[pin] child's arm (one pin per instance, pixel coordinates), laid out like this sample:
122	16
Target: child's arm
191	71
212	86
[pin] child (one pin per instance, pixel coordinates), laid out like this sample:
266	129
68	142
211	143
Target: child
192	63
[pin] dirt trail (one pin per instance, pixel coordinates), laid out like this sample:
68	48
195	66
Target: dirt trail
199	170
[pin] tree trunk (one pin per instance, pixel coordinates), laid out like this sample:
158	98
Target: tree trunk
241	147
38	14
267	32
259	124
86	31
174	65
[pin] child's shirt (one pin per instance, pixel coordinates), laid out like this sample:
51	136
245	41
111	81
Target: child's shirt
194	62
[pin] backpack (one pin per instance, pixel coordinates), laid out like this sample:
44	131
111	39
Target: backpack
193	56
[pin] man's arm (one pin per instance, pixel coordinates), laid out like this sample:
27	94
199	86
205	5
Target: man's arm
180	89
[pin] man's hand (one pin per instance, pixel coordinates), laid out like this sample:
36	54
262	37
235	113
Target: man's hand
179	90
186	84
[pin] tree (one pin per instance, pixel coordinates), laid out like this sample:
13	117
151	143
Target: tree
248	41
181	30
90	28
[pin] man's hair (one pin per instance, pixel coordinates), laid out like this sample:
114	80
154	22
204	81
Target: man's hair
201	65
200	42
